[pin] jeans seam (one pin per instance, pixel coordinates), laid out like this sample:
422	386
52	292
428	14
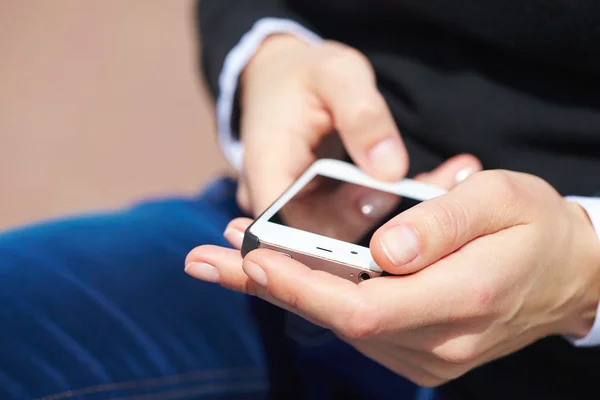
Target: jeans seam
257	385
147	383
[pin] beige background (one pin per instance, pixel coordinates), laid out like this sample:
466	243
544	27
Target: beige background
100	105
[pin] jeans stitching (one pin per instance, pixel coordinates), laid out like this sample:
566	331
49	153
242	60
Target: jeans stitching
146	383
213	388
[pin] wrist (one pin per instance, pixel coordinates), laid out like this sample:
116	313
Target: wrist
586	263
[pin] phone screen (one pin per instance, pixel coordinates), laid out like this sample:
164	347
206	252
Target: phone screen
341	210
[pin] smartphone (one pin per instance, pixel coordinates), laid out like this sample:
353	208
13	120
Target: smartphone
327	217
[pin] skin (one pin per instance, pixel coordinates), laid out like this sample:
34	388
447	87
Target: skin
472	294
293	96
498	262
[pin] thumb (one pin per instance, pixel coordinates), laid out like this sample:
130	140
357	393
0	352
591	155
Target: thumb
405	247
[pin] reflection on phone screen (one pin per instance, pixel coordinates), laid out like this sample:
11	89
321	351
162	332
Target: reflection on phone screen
341	210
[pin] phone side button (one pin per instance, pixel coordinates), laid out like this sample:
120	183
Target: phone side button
285	254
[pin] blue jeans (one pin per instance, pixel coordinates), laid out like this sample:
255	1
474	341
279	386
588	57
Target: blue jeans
99	307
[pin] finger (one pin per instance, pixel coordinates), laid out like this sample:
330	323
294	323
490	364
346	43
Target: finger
358	312
220	265
224	266
452	297
269	177
346	83
358	209
281	135
452	172
484	204
328	300
217	265
235	230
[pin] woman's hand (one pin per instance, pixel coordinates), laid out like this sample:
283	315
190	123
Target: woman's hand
498	262
293	97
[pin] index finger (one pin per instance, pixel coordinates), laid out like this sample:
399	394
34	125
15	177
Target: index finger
346	82
268	167
327	299
354	311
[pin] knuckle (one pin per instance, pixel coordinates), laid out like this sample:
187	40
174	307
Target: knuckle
291	299
248	287
366	110
358	331
450	372
363	323
338	59
448	218
334	64
458	352
507	185
501	185
337	52
426	380
504	188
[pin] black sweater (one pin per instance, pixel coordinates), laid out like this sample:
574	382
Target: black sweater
516	83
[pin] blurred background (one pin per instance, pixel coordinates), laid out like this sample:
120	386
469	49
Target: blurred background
101	105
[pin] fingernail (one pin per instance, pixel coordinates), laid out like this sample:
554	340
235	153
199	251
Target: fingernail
464	174
375	205
400	244
386	157
203	271
256	273
234	237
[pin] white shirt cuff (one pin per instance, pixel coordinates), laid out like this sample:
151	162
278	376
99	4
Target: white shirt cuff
592	206
234	64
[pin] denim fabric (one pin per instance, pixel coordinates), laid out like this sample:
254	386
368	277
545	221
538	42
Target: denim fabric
97	307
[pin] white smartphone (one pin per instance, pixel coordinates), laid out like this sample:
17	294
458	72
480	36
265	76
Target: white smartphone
327	217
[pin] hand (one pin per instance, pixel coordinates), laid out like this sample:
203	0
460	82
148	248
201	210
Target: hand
214	264
502	260
293	97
